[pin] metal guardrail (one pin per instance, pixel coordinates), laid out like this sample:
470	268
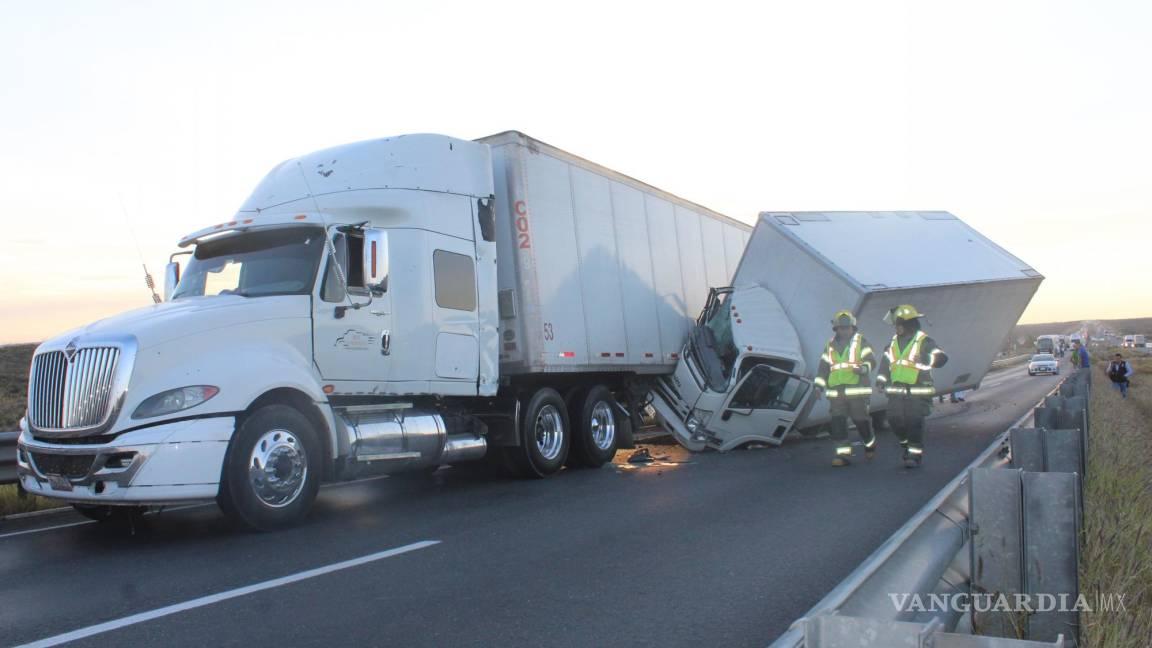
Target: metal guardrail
1008	362
928	555
8	457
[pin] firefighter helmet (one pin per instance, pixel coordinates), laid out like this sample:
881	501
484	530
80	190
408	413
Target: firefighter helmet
843	318
902	312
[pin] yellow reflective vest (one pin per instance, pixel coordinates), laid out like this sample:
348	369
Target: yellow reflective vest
905	367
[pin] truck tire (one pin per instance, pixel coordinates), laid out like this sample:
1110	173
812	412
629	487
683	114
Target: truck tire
272	469
110	514
544	436
596	432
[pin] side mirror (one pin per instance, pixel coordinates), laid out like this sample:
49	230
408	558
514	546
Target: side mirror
171	278
376	260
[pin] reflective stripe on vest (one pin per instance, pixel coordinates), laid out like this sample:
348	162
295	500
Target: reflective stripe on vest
910	390
843	370
904	367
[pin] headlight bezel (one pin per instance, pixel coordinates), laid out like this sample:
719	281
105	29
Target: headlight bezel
171	401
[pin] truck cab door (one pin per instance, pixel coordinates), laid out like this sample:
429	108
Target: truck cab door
353	343
762	406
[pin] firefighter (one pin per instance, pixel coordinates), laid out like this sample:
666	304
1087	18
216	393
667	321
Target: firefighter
905	375
843	377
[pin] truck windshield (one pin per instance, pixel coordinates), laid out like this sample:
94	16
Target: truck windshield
273	262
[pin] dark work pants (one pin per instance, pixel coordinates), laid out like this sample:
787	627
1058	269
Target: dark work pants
841	409
906	415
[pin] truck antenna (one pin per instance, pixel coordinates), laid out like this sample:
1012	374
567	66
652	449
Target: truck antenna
147	275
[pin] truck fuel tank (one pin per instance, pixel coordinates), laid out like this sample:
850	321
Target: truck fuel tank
396	437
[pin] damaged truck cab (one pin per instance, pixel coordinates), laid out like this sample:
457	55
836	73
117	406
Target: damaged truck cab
740	378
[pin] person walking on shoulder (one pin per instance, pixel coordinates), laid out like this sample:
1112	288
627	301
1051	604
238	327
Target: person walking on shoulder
1119	371
1080	357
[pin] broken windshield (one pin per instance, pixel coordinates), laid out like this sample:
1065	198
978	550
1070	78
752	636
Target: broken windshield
280	261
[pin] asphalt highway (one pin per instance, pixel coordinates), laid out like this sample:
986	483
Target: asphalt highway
724	549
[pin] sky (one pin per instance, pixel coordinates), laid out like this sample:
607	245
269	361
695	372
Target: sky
125	125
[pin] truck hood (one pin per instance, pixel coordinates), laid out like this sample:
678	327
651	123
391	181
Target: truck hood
160	323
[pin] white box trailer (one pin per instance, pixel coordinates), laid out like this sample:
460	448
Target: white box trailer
596	270
801	267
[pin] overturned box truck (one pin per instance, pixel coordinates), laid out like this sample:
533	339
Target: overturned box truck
405	303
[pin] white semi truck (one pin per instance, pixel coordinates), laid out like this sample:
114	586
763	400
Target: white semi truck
405	303
390	305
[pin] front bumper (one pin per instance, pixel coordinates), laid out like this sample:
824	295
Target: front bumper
1043	369
166	463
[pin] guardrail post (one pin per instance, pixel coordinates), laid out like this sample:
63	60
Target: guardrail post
1064	451
1027	448
835	631
1047	450
1044	417
838	631
8	457
997	551
1051	553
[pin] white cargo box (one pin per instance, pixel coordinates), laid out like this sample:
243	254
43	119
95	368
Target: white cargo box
598	271
971	290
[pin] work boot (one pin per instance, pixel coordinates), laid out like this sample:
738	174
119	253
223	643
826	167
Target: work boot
840	461
869	439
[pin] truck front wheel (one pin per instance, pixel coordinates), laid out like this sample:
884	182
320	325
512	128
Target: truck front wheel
271	470
596	430
544	436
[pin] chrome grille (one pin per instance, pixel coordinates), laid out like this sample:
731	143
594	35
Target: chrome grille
71	394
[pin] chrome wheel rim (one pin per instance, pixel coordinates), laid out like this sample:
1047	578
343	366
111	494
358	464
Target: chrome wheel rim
278	468
549	432
603	425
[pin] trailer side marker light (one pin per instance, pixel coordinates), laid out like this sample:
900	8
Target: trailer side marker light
373	258
619	354
247	221
328	389
749	347
674	355
649	354
300	216
232	224
605	354
739	321
567	354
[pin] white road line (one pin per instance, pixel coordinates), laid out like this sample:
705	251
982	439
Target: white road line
58	526
176	608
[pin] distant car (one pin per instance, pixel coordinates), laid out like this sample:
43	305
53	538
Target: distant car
1043	363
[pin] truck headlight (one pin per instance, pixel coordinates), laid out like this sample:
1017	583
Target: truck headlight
174	400
693	424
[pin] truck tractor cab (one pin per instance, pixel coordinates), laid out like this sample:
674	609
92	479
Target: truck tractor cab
740	376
